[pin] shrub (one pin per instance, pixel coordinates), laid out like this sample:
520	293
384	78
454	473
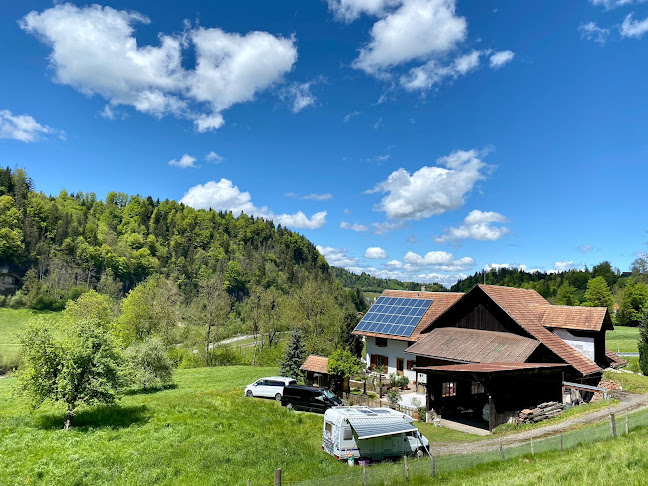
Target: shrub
394	380
422	413
16	301
393	396
403	381
147	365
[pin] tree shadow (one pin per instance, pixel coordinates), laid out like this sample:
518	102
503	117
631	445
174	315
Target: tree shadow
149	391
103	416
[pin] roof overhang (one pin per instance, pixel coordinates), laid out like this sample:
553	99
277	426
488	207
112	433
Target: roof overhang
488	367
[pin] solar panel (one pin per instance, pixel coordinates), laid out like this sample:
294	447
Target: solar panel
394	315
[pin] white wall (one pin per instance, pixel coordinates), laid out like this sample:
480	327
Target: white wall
584	345
394	349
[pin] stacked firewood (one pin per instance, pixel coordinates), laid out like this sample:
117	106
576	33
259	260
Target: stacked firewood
611	386
543	411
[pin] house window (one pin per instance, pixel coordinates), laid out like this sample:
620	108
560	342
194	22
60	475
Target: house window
477	388
400	366
410	364
449	389
379	360
381	342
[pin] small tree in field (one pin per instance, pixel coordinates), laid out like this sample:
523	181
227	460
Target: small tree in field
147	365
294	356
343	364
75	363
643	343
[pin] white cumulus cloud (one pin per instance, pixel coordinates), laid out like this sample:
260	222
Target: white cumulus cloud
417	29
431	73
375	252
438	260
500	58
214	157
610	4
431	190
21	127
338	257
478	225
95	51
634	28
184	162
225	196
299	96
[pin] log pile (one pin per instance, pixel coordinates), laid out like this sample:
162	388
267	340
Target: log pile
611	386
543	411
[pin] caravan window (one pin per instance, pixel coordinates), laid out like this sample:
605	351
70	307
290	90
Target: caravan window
347	434
328	427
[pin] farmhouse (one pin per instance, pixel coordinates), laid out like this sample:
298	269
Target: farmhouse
495	349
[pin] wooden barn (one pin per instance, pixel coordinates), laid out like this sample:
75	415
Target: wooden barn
498	350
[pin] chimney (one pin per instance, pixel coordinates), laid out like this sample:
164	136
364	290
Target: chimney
422	288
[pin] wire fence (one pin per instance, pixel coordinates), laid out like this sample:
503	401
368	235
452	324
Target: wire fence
404	469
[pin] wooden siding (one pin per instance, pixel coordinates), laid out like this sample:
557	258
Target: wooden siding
480	319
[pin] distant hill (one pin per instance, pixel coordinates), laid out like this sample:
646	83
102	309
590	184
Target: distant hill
368	283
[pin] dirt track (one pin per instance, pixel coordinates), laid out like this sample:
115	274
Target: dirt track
629	402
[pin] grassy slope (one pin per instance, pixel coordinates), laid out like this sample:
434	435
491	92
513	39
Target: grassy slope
620	461
204	431
12	322
622	339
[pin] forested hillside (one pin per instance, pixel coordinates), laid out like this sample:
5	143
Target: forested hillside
209	273
625	294
368	283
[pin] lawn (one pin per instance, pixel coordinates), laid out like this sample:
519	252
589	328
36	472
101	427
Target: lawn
628	381
12	321
623	339
203	431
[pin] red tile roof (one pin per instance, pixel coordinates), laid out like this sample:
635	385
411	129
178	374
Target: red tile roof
440	302
475	346
318	364
489	367
614	359
520	305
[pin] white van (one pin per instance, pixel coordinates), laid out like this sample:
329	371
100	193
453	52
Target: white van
270	387
371	433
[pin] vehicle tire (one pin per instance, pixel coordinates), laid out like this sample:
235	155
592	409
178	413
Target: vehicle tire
419	453
278	397
249	394
289	406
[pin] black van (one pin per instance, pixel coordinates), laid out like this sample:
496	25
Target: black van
308	398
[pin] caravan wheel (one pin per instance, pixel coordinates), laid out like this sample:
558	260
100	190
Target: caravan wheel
419	453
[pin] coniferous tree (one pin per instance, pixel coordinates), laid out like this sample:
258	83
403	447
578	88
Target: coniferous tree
294	356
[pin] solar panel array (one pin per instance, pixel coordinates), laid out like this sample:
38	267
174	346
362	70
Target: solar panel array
397	316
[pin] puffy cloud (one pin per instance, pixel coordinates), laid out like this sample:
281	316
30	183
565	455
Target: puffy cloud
354	226
21	127
214	157
477	226
375	252
437	260
564	266
394	264
184	162
497	266
338	257
299	95
431	73
431	190
634	28
348	10
593	32
417	29
95	51
500	58
225	196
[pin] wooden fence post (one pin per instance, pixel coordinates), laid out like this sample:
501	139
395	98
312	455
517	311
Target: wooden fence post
532	453
277	481
561	442
248	483
364	472
613	425
406	469
433	466
626	424
502	451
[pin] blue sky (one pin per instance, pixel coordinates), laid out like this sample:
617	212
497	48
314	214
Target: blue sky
419	139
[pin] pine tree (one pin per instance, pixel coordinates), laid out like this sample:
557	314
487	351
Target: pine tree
294	356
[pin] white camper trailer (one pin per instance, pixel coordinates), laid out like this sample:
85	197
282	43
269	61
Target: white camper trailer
370	433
